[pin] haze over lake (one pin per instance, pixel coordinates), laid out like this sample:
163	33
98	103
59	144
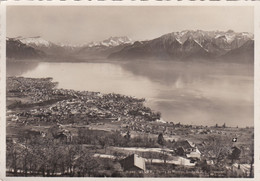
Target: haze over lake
187	92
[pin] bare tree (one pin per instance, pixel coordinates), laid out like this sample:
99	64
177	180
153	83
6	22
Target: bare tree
217	148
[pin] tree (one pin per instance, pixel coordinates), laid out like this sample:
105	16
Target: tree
235	154
103	141
12	156
85	162
128	136
213	149
164	156
156	116
251	175
118	155
151	155
204	166
160	139
224	125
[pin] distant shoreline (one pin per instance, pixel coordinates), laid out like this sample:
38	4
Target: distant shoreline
105	60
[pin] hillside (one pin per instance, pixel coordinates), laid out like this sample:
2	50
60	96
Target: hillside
243	54
15	49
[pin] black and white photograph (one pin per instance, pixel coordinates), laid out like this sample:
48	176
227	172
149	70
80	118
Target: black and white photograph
130	91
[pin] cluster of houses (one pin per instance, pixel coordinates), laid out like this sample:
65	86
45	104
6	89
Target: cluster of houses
38	90
87	107
56	133
72	106
139	125
185	151
188	155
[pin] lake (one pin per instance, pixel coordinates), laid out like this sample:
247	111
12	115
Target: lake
188	92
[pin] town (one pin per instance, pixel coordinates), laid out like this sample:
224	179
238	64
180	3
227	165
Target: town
59	132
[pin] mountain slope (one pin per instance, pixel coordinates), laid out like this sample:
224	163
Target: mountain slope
181	46
35	41
185	45
15	49
91	50
243	54
104	48
48	47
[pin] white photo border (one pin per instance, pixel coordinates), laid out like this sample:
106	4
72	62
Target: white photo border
4	4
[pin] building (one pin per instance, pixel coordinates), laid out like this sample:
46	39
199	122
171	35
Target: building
133	163
186	148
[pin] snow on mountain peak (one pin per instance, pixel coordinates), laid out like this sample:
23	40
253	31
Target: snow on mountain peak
37	41
112	41
230	37
201	36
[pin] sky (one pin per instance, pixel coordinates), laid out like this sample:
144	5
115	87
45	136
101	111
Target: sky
79	25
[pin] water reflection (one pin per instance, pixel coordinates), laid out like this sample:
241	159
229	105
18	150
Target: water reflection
200	92
18	68
191	93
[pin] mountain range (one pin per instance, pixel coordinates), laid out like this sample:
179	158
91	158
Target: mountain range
191	45
50	48
99	49
183	45
104	48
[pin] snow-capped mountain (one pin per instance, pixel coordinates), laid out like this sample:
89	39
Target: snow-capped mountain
186	44
103	49
70	45
227	40
15	49
40	42
50	48
111	42
35	41
97	49
93	49
183	45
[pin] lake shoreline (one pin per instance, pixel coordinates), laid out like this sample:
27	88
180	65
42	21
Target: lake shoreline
123	61
209	92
